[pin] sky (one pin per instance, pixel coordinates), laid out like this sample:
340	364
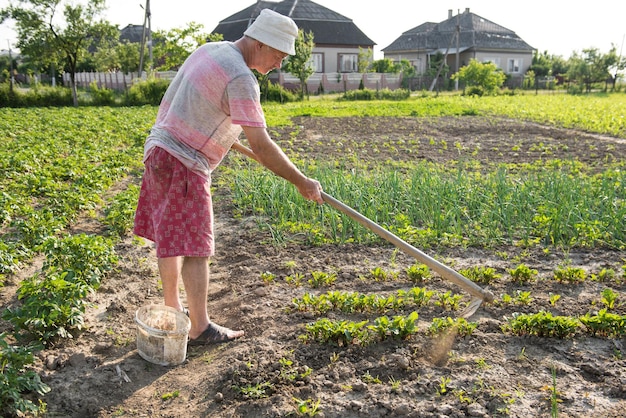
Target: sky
560	28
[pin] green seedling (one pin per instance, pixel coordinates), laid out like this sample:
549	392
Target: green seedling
418	272
257	391
443	385
522	274
569	274
268	277
605	324
542	324
523	298
369	379
381	275
480	274
448	301
609	298
295	279
320	279
554	298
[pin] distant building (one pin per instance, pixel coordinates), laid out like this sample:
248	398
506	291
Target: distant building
337	39
132	33
478	38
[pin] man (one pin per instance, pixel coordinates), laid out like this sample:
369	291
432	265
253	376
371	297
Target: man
213	97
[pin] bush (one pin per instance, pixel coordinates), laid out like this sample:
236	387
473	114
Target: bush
36	96
474	91
149	92
279	94
383	94
101	96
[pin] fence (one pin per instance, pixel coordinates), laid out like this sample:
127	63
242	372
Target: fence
340	82
112	80
327	82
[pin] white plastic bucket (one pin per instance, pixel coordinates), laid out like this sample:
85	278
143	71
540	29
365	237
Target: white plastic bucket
162	334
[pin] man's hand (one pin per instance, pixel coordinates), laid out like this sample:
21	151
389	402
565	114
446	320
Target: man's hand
311	190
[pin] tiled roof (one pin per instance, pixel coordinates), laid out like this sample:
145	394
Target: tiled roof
475	32
327	26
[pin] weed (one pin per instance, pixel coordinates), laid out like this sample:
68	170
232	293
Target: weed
257	391
307	407
170	395
268	277
369	379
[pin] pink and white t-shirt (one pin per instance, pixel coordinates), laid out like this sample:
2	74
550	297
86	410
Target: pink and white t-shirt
213	94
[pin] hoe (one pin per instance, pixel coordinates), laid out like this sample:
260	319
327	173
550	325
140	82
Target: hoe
479	295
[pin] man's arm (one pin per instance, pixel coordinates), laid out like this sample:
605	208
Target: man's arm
272	156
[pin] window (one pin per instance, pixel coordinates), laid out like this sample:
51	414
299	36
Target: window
317	62
348	63
493	60
514	65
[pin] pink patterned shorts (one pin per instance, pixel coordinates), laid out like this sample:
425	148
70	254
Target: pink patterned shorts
175	210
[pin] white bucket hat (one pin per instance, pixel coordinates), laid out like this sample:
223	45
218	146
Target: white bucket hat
275	30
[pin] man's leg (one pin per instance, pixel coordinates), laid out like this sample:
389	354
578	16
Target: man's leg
170	269
195	274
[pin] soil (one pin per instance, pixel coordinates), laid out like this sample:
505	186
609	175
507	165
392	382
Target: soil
489	373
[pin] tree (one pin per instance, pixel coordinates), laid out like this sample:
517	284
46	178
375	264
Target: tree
171	48
51	39
542	64
617	66
365	59
299	64
482	76
591	67
437	67
384	65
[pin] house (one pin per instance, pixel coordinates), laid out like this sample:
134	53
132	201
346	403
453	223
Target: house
478	38
132	33
337	39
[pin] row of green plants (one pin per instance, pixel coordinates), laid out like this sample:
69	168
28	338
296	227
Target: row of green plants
58	165
457	207
52	303
604	324
418	273
345	332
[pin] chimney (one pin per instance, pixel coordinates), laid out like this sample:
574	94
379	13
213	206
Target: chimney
467	10
449	13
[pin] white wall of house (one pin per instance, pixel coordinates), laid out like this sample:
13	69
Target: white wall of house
514	63
343	60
